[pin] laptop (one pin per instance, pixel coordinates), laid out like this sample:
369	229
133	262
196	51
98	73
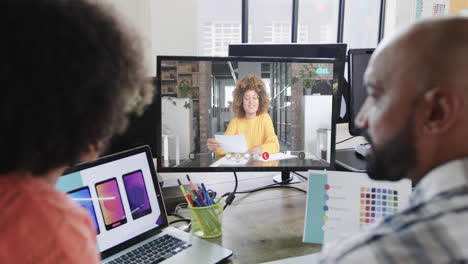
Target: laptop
123	197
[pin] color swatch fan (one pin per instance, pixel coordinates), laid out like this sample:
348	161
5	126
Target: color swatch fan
342	202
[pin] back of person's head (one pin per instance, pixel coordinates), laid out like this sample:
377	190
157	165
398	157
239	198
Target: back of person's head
418	99
70	72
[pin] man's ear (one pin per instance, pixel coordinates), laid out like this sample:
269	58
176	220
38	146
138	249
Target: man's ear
441	107
89	155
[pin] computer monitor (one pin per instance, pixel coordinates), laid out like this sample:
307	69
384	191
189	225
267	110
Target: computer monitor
195	99
357	64
334	50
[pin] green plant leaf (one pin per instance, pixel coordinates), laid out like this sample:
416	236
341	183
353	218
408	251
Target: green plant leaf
185	89
295	80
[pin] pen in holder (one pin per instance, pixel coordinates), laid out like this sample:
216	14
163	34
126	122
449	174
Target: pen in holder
207	221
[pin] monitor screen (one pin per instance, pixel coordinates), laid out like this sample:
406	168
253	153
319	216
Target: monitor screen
245	113
358	60
333	50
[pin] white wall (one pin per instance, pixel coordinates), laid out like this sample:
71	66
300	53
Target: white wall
167	27
173	28
317	114
137	15
176	120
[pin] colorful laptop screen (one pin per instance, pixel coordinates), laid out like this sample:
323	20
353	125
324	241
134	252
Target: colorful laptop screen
119	196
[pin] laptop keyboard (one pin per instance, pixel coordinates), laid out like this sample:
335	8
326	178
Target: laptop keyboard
155	251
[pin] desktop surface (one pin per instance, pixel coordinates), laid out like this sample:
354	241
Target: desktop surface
262	226
266	225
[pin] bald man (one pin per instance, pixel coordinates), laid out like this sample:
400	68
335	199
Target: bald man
416	117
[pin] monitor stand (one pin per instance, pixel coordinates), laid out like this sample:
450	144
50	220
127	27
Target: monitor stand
285	178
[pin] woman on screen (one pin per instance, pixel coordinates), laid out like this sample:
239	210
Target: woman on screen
250	105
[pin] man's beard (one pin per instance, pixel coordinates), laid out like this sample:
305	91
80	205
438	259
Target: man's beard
394	159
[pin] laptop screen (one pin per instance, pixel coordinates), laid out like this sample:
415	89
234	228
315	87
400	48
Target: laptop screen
119	194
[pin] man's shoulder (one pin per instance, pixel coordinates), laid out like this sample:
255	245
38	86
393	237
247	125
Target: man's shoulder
433	232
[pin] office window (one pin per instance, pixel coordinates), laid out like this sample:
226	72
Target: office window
270	21
199	27
361	16
281	103
318	21
303	33
277	32
216	38
402	13
228	99
219	24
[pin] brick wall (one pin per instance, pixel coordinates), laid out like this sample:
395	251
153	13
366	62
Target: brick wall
297	112
205	104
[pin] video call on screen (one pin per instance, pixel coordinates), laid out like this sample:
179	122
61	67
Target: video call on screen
196	104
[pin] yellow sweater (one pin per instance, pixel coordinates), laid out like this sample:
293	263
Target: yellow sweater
258	132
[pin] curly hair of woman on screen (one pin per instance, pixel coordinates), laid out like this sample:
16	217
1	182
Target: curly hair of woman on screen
250	104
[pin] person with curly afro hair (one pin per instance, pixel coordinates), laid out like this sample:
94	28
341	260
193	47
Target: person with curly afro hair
250	105
71	73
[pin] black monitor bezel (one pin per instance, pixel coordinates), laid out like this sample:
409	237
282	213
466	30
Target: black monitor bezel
323	50
353	130
161	168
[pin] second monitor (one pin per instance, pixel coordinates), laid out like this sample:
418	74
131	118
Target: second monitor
322	50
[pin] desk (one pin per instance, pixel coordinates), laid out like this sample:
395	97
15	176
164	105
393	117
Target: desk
262	226
266	225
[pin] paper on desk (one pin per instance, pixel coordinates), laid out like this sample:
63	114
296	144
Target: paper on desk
279	156
233	143
229	162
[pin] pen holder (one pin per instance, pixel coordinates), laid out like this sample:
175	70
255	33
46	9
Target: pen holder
207	221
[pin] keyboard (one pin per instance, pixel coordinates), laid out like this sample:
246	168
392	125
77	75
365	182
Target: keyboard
155	251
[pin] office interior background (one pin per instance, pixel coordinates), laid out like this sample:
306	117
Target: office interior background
207	27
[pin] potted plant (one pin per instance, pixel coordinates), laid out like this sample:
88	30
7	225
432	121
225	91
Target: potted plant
308	77
185	91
